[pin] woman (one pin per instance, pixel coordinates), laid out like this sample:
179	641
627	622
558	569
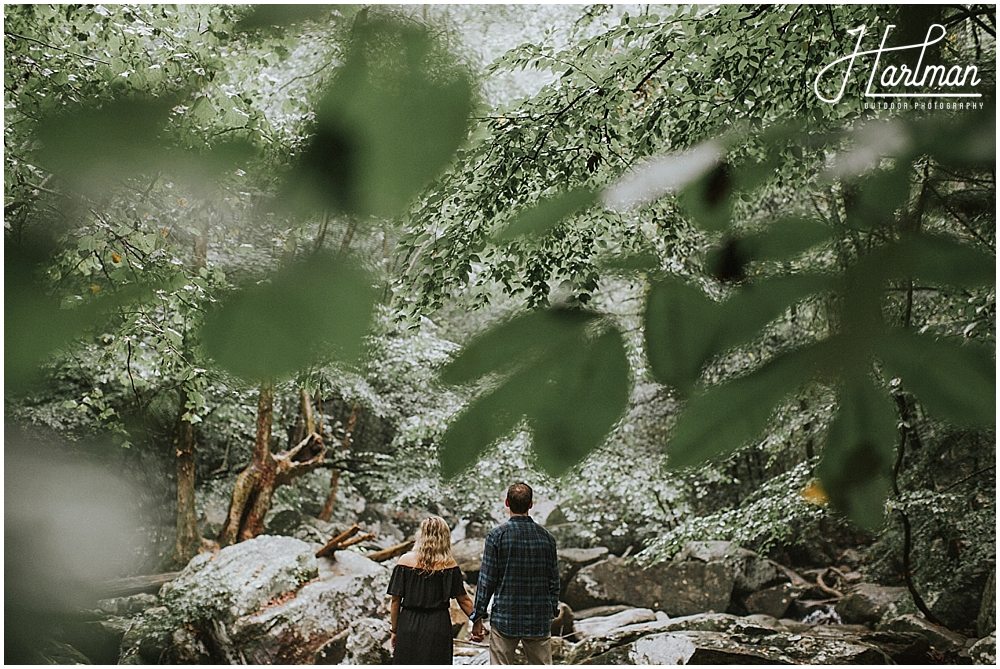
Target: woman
422	585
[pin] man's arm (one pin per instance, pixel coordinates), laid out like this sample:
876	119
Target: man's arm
554	584
487	580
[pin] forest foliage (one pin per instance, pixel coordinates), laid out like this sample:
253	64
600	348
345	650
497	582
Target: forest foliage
168	204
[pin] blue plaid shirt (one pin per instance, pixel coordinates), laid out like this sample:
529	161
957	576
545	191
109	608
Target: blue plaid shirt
521	573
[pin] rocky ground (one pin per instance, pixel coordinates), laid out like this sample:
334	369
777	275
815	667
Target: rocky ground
270	600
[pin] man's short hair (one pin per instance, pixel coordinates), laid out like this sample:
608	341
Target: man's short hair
519	497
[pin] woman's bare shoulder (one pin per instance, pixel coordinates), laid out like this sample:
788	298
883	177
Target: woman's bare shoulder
408	559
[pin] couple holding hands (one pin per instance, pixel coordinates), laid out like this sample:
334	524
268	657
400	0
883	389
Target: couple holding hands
519	572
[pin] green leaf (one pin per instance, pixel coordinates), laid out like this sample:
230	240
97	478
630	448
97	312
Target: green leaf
943	261
859	455
709	200
587	392
724	417
684	328
543	216
309	311
955	381
396	113
785	239
266	16
680	326
522	340
570	385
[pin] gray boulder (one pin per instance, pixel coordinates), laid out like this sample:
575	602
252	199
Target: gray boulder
867	603
727	648
723	638
263	601
469	556
984	651
940	638
754	573
369	641
706	551
601	626
571	560
678	589
774	601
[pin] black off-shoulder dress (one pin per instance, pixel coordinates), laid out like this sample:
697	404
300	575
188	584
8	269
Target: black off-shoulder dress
423	627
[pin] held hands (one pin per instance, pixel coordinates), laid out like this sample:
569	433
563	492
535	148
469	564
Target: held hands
478	630
393	639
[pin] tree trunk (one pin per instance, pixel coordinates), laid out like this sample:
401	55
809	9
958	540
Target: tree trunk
188	540
255	484
345	444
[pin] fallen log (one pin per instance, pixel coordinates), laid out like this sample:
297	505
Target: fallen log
391	552
133	585
342	541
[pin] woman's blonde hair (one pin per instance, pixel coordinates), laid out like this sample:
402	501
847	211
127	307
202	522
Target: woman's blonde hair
433	547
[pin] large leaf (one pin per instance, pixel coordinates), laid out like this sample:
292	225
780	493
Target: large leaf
680	327
955	381
860	450
945	262
543	216
392	120
522	340
684	328
307	312
724	417
570	385
587	392
786	238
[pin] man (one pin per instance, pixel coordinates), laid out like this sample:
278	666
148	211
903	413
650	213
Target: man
520	572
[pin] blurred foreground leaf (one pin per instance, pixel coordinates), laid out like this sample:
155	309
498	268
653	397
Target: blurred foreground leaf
306	312
571	385
955	381
858	458
396	113
543	216
724	417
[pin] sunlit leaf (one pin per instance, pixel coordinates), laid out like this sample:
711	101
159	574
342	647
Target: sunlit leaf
541	217
858	458
955	381
724	417
310	311
396	113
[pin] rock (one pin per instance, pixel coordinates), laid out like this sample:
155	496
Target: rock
283	523
599	611
350	587
956	608
468	554
940	638
723	648
677	588
571	560
773	601
56	652
369	642
99	640
754	573
263	601
902	647
604	625
986	621
595	645
985	650
867	603
706	551
543	509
